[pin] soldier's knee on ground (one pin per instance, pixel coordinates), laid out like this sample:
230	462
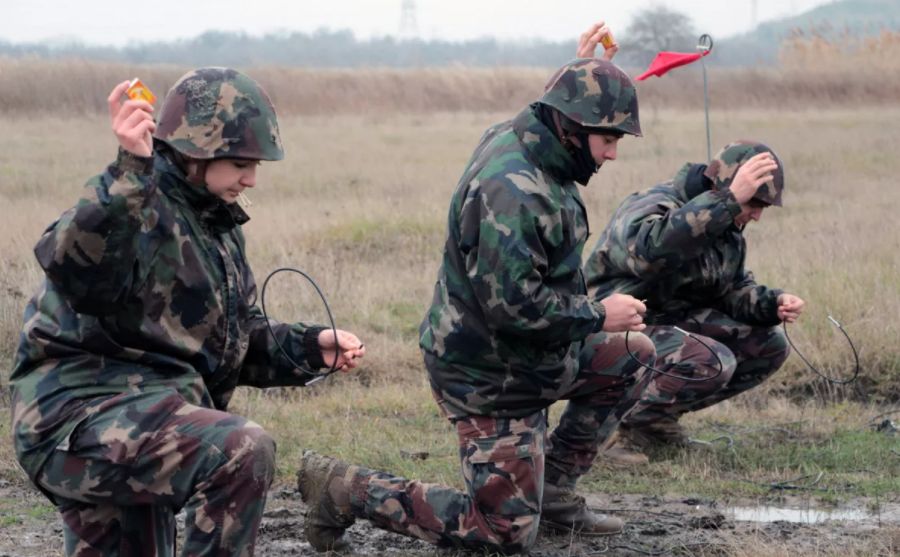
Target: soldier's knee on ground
512	520
503	466
519	537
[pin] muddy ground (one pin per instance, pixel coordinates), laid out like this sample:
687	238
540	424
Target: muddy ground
655	526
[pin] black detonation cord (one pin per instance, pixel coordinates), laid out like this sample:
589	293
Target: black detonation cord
816	371
675	375
316	376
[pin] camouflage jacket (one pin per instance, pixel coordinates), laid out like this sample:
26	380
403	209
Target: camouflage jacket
510	302
147	288
676	245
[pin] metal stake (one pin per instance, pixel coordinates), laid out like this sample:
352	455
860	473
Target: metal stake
705	44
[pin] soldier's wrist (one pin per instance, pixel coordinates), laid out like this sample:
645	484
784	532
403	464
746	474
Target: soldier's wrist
127	161
732	205
313	349
600	309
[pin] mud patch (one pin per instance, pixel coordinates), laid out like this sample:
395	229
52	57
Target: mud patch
654	526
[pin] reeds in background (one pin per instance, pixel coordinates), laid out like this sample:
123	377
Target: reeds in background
813	71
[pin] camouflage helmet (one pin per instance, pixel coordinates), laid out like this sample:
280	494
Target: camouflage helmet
596	94
724	166
213	113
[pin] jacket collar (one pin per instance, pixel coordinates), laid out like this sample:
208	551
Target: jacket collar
689	181
217	215
542	146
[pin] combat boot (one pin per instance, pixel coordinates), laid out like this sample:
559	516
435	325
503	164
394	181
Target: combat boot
664	432
325	487
564	511
630	445
621	451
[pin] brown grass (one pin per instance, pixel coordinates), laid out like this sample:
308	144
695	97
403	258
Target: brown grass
360	203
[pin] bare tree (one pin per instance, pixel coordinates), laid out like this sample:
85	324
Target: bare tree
655	29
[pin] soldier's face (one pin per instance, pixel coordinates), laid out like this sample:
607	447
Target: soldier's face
603	147
749	212
227	178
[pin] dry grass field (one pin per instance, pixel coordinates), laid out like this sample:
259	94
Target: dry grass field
360	204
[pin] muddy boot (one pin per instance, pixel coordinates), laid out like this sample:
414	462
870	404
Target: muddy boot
664	432
564	511
325	485
621	451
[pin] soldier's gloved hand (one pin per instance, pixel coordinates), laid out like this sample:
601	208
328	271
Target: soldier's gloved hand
790	307
132	122
350	349
588	41
751	175
623	313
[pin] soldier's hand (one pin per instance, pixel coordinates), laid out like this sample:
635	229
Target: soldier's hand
349	349
132	122
751	175
790	307
587	43
623	313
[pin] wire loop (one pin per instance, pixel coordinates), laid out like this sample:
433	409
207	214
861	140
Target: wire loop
316	376
813	368
675	375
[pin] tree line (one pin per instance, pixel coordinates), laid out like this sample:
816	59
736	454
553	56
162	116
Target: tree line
652	30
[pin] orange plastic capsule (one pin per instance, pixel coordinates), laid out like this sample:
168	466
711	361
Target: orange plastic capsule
607	40
138	91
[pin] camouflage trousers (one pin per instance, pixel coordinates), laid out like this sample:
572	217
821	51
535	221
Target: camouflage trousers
748	355
129	467
505	461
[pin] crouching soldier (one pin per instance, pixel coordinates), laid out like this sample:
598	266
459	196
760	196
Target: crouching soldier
680	246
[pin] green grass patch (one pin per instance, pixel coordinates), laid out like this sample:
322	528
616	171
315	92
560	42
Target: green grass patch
364	230
41	512
398	318
759	459
384	426
12	512
7	520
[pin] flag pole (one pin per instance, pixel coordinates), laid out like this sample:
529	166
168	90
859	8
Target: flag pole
704	45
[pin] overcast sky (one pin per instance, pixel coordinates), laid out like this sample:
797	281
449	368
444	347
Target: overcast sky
119	22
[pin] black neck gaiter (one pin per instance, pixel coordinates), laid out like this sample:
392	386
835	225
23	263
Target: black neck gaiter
573	138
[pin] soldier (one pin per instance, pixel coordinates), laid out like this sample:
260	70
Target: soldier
680	246
145	323
510	331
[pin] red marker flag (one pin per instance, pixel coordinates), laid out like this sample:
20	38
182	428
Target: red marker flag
666	61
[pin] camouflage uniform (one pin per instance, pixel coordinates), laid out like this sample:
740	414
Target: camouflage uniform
677	246
144	325
506	461
512	330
